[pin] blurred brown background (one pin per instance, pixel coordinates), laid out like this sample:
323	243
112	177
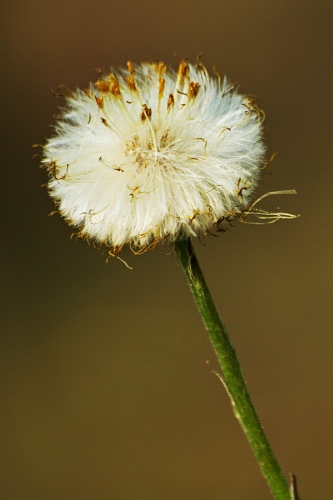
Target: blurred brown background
105	390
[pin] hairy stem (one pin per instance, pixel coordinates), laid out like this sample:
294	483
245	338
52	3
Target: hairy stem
232	375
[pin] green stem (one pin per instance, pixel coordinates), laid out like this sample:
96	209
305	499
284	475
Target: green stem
232	375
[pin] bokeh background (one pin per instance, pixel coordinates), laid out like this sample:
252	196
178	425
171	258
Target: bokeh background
105	389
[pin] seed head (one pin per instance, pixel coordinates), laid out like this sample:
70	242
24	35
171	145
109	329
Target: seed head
147	154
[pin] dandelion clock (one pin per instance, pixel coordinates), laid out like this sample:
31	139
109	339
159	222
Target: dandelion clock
146	155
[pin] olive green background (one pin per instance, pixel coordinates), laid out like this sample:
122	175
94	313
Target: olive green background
106	393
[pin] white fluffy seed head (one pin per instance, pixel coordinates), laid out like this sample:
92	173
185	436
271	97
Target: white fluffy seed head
148	154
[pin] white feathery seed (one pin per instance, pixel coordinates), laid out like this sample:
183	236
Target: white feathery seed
147	154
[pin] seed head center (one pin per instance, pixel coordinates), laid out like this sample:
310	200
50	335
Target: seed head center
145	152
